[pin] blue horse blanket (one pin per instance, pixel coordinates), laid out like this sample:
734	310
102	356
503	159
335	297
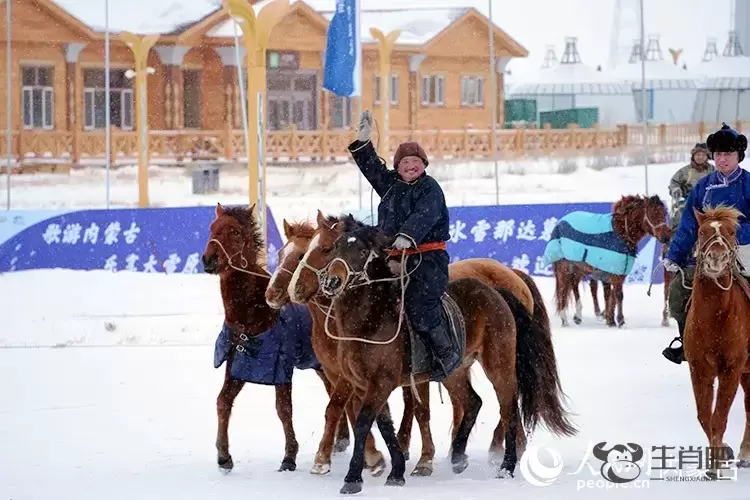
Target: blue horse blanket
270	357
590	238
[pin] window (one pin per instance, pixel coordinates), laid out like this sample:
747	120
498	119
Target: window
393	89
121	101
191	98
38	97
341	111
433	90
472	91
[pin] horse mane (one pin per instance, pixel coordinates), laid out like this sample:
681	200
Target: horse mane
347	220
631	200
303	229
723	213
244	216
375	239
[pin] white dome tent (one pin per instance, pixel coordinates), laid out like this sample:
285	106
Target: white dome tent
671	90
724	91
571	84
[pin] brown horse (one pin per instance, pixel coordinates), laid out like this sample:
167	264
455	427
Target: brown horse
633	218
368	309
232	252
717	336
305	290
298	238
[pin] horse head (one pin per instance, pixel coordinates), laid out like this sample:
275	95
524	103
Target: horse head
298	237
640	216
717	240
305	282
234	241
358	258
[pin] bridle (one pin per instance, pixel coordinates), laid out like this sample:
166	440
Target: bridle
646	219
722	241
243	261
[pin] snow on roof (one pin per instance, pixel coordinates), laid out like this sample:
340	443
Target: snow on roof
725	73
417	26
661	74
569	76
140	16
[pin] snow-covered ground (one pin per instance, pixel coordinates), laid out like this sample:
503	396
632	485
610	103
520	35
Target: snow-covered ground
107	386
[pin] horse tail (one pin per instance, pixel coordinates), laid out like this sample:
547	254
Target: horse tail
540	310
540	393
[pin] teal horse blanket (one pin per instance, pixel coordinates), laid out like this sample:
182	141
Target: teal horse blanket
590	238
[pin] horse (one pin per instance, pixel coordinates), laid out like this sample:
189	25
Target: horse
717	338
298	236
309	269
232	251
367	309
603	246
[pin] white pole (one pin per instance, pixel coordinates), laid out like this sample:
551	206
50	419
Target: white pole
243	99
493	96
8	92
107	111
644	111
360	177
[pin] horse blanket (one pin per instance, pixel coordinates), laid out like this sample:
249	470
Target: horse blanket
590	238
270	357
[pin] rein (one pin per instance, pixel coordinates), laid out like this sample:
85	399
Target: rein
243	261
722	241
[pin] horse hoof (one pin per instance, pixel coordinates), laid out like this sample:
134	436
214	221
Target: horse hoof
505	471
377	469
288	464
350	488
341	445
422	470
395	481
460	464
225	464
320	469
577	320
665	322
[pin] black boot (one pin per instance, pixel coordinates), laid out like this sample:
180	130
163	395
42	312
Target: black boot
675	354
445	353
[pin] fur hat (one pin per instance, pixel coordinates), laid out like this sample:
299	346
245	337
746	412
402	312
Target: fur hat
699	147
409	149
727	140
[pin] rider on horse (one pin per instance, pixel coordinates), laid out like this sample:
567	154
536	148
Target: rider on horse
685	178
412	210
728	185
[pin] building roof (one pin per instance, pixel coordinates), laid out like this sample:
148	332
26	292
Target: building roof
725	73
661	74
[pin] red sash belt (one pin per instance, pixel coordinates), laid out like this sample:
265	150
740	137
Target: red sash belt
424	247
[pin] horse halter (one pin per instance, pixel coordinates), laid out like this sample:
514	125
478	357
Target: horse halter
243	261
646	219
352	278
720	240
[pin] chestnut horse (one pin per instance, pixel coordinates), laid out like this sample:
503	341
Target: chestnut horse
717	336
368	310
231	253
632	219
306	288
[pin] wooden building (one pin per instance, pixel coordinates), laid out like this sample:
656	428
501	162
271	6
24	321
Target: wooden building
440	69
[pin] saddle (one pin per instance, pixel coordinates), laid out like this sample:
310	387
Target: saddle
419	357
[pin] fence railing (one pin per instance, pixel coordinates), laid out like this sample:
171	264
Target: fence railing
331	145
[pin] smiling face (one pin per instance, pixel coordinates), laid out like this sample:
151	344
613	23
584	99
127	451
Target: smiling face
725	162
298	238
410	168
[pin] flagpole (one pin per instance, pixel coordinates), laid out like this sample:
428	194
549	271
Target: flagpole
107	102
8	93
644	111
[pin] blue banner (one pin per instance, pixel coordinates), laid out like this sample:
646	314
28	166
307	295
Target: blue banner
342	71
150	240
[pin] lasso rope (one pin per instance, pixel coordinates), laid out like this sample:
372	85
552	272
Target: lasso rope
243	261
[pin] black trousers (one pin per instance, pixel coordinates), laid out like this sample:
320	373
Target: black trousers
427	283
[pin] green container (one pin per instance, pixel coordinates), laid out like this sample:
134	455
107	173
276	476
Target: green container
520	110
561	118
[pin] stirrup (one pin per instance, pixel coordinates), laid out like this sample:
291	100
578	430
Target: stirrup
676	339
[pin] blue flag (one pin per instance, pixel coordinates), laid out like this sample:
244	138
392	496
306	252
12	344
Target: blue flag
342	72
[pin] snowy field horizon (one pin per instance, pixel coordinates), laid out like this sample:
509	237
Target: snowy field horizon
109	388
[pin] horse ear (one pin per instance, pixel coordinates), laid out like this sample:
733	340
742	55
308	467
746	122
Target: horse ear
321	219
288	231
251	208
219	210
698	216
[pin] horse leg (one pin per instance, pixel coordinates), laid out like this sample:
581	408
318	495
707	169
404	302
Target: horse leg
371	405
407	421
335	408
342	429
459	386
562	289
609	314
729	382
617	287
503	379
744	456
668	275
229	391
374	460
422	413
594	285
284	411
607	289
578	316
